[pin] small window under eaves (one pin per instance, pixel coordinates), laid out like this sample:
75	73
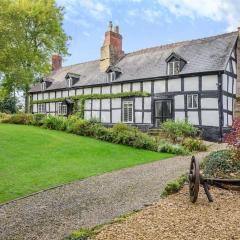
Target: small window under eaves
173	67
111	76
43	86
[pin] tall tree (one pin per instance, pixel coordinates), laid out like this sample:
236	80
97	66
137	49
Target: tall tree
30	32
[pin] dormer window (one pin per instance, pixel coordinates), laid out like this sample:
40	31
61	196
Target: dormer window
175	64
43	86
111	76
173	68
69	82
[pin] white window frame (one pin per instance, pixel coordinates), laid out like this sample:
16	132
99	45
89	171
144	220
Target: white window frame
61	109
173	67
43	86
191	97
111	76
127	104
69	82
42	108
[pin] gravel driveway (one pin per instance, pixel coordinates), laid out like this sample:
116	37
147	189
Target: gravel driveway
55	213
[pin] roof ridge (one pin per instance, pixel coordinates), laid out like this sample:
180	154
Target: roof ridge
180	43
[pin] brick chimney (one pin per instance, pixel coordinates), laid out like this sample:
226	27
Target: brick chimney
56	62
111	51
237	103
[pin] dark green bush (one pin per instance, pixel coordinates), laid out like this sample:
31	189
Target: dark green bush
218	164
19	118
38	119
194	144
178	129
55	123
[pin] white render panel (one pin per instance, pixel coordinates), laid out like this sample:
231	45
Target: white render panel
58	94
229	120
138	117
234	85
35	108
147	117
88	105
160	86
209	82
34	97
234	67
193	117
225	119
179	101
40	96
106	89
224	87
105	116
47	107
228	67
96	115
230	82
116	88
79	91
191	84
224	102
65	93
136	87
126	87
230	102
96	90
147	103
116	103
87	91
210	118
72	92
52	95
52	107
96	104
209	103
180	116
138	103
87	115
147	87
116	116
45	95
174	85
105	103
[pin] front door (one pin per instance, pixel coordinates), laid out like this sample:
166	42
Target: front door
163	111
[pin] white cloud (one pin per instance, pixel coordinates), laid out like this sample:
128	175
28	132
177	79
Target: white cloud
149	15
217	10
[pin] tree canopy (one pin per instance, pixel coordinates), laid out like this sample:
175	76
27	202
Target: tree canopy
30	32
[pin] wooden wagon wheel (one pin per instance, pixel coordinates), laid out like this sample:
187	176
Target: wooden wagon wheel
194	179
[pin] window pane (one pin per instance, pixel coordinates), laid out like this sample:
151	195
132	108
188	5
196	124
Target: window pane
170	68
176	67
195	101
189	101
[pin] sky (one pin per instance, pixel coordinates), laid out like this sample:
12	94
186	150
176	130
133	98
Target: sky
143	23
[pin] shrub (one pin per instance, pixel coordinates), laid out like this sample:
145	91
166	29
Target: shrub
218	164
55	122
82	234
172	148
19	118
178	129
38	119
233	140
194	144
174	186
79	127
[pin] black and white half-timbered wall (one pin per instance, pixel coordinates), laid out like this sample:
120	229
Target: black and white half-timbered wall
192	80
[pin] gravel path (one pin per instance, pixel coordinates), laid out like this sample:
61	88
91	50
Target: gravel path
176	218
55	213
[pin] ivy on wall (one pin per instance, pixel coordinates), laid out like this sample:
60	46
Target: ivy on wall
83	98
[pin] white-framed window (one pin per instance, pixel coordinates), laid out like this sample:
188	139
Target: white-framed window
111	76
43	86
173	67
69	82
42	108
128	111
192	101
61	108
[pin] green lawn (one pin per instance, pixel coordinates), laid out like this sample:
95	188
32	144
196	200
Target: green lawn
32	159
